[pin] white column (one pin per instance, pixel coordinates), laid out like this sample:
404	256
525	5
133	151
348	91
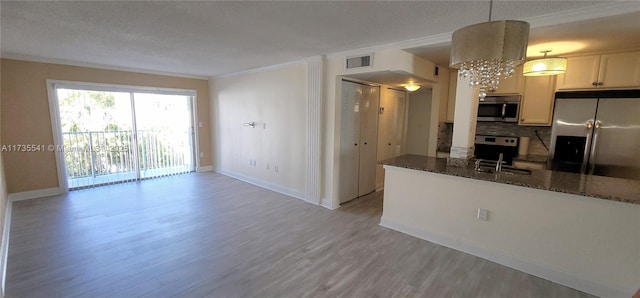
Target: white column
464	122
314	127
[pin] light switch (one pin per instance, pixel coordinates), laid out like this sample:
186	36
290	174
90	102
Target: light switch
483	214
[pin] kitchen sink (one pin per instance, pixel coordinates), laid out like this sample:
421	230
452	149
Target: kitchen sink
487	166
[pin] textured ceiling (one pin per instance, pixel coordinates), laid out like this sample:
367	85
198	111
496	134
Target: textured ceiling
214	38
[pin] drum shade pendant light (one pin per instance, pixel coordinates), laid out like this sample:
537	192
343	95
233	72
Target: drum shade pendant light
487	51
545	66
412	87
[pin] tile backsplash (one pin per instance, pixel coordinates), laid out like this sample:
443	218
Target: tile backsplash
536	147
445	133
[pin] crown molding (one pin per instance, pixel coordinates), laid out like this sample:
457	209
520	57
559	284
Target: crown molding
272	67
582	14
590	12
14	56
404	44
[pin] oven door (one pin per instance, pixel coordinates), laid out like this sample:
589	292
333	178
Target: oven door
498	111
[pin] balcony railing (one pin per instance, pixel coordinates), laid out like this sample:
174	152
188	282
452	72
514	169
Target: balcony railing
92	154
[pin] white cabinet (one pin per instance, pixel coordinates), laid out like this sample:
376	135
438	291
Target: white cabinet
619	70
512	85
581	73
536	107
358	140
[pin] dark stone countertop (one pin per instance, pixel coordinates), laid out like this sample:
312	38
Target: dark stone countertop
532	158
608	188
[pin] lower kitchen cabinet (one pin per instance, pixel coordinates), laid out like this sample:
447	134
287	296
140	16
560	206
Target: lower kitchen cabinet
536	107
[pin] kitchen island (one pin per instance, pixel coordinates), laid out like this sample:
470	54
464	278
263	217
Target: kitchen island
579	230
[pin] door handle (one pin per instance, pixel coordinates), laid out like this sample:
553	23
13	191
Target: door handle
590	124
504	110
594	144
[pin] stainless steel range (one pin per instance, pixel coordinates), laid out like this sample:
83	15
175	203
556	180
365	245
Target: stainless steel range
489	148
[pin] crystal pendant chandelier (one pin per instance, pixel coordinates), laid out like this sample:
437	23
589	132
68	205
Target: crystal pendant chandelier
486	52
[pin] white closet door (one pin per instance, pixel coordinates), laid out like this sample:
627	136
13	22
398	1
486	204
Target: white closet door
349	141
368	139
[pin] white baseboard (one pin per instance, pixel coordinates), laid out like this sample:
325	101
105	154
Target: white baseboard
4	246
13	197
34	194
510	260
328	203
204	169
265	184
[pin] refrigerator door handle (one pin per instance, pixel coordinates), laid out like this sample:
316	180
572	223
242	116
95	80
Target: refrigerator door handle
594	144
585	157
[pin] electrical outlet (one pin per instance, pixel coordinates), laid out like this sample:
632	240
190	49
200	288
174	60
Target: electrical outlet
483	214
201	154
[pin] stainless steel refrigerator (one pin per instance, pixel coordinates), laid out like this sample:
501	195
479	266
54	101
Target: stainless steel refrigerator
597	132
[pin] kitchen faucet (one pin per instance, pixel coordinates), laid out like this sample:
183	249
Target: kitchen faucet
499	164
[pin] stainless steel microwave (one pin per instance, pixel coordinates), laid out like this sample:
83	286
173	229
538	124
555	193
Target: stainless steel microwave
499	108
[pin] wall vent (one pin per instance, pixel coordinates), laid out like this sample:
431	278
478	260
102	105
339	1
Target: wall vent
360	61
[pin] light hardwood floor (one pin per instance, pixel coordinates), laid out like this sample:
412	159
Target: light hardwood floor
210	235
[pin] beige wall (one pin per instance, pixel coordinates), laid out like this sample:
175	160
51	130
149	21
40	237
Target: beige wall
276	100
3	211
25	114
419	122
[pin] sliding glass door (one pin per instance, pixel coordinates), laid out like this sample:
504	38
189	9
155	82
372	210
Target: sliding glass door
164	134
111	136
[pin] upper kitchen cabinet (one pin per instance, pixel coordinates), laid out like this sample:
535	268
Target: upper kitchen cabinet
619	70
536	107
512	85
